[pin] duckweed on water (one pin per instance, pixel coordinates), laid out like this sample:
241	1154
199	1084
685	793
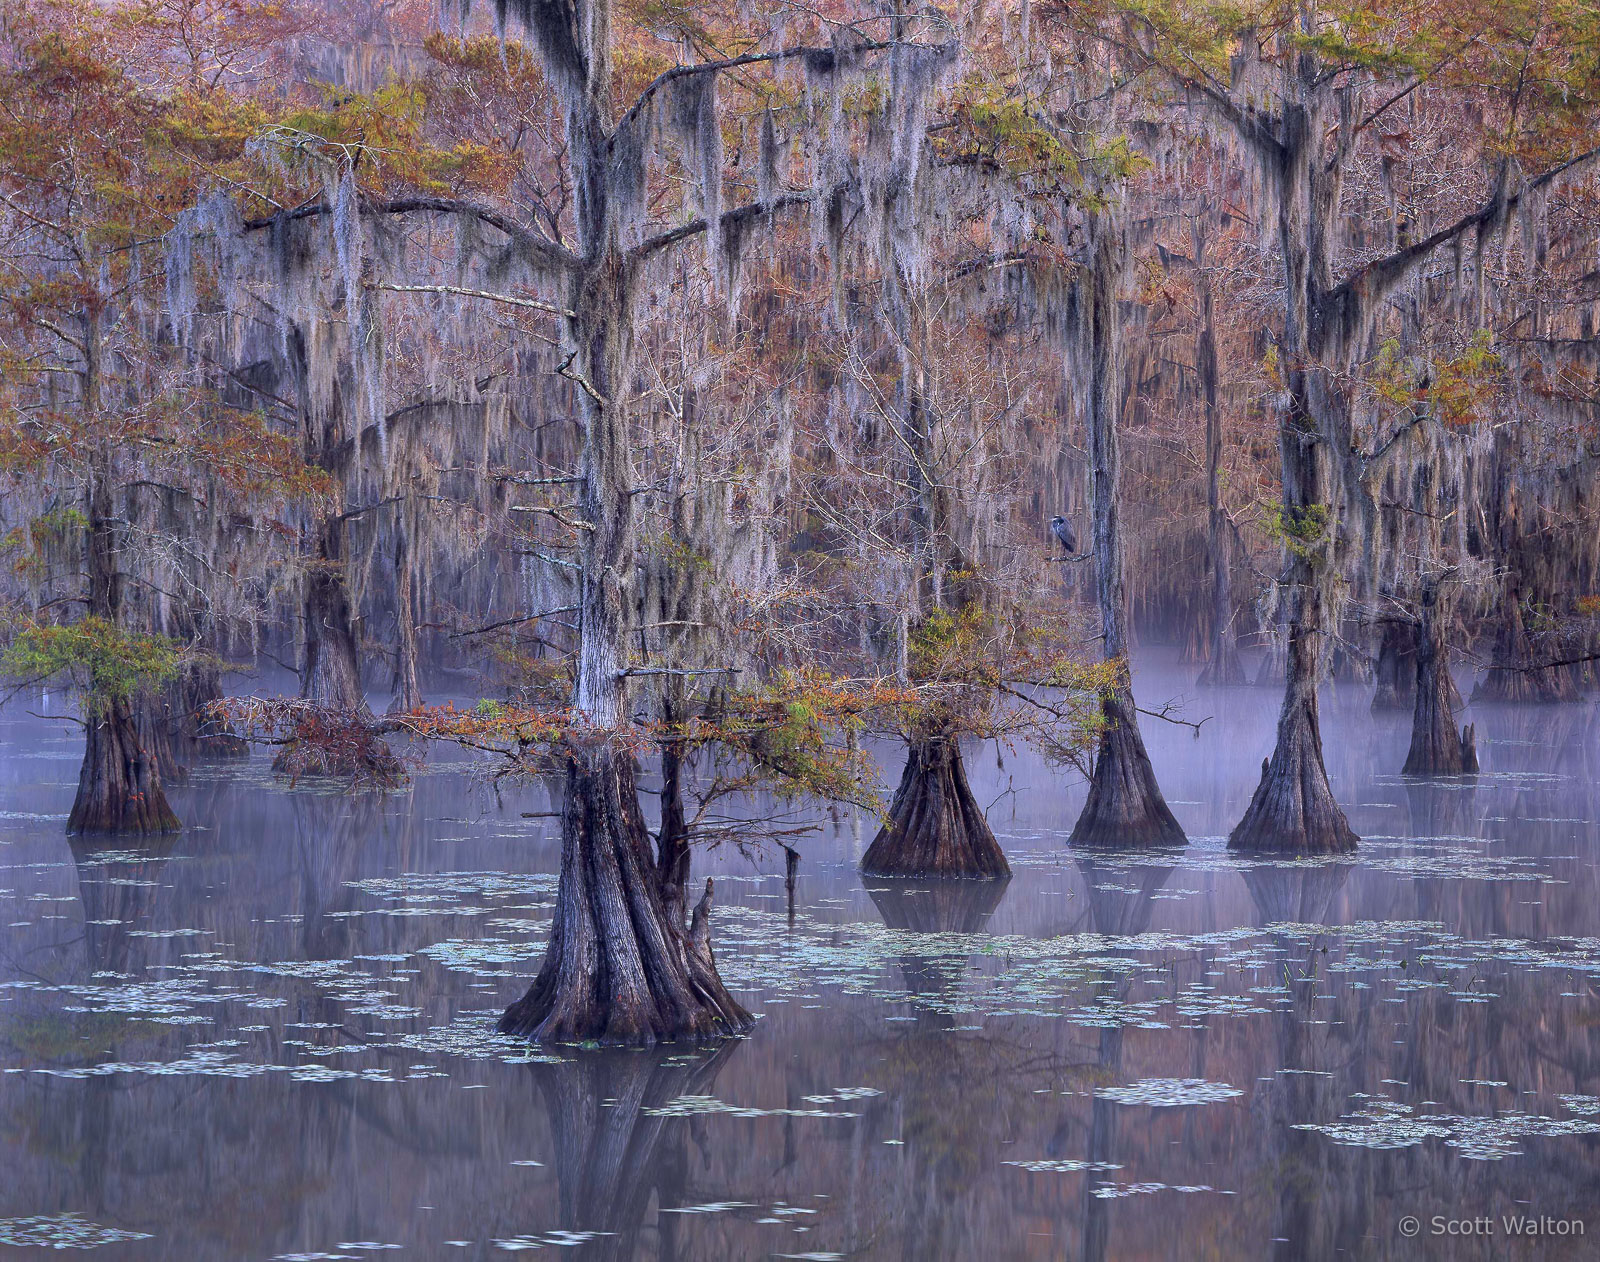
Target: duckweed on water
1384	1123
62	1231
1164	1093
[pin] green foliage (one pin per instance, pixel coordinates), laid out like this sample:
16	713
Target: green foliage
103	662
1454	388
1303	529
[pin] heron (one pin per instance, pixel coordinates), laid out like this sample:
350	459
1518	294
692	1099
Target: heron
1061	528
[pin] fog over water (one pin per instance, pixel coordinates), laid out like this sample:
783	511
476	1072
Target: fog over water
271	1036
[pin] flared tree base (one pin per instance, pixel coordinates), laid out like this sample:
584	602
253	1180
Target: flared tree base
935	827
1437	747
1224	670
1511	685
1294	810
1125	806
1441	752
119	785
619	968
200	733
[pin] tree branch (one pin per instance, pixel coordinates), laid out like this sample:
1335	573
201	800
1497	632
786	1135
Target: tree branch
731	63
1379	278
513	622
730	219
485	294
535	242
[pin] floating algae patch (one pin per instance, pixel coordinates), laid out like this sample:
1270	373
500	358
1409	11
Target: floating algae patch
1164	1093
216	1064
62	1231
1384	1123
105	858
1114	1191
473	955
568	1239
453	894
1456	862
968	973
841	1095
705	1106
457	888
988	975
471	1036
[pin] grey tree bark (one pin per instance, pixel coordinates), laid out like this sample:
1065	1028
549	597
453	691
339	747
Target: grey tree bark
1124	806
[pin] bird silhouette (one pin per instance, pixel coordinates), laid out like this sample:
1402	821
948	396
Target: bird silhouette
1061	528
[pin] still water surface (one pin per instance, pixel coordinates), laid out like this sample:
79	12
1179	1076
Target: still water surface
271	1037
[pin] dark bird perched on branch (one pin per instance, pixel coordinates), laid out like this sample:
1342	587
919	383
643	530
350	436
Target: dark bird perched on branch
1061	528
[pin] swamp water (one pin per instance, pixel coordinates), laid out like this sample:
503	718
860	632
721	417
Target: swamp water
272	1036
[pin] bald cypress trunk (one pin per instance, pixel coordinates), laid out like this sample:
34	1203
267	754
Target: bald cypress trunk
332	673
1223	666
197	732
1124	806
935	825
1514	675
621	966
1396	670
330	669
1438	748
1293	807
119	784
407	690
618	967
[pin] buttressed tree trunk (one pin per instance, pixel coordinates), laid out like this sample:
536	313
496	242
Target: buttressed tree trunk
198	732
621	966
1293	807
1125	806
1437	747
119	784
1396	671
1223	667
330	673
935	826
1515	675
407	691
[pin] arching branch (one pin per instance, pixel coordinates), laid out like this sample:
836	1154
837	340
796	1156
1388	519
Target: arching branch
533	303
1379	278
733	63
551	252
730	219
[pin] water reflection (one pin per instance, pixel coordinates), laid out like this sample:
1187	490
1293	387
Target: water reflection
620	1141
272	1035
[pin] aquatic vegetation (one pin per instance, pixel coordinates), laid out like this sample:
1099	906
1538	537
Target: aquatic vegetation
63	1231
1164	1093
